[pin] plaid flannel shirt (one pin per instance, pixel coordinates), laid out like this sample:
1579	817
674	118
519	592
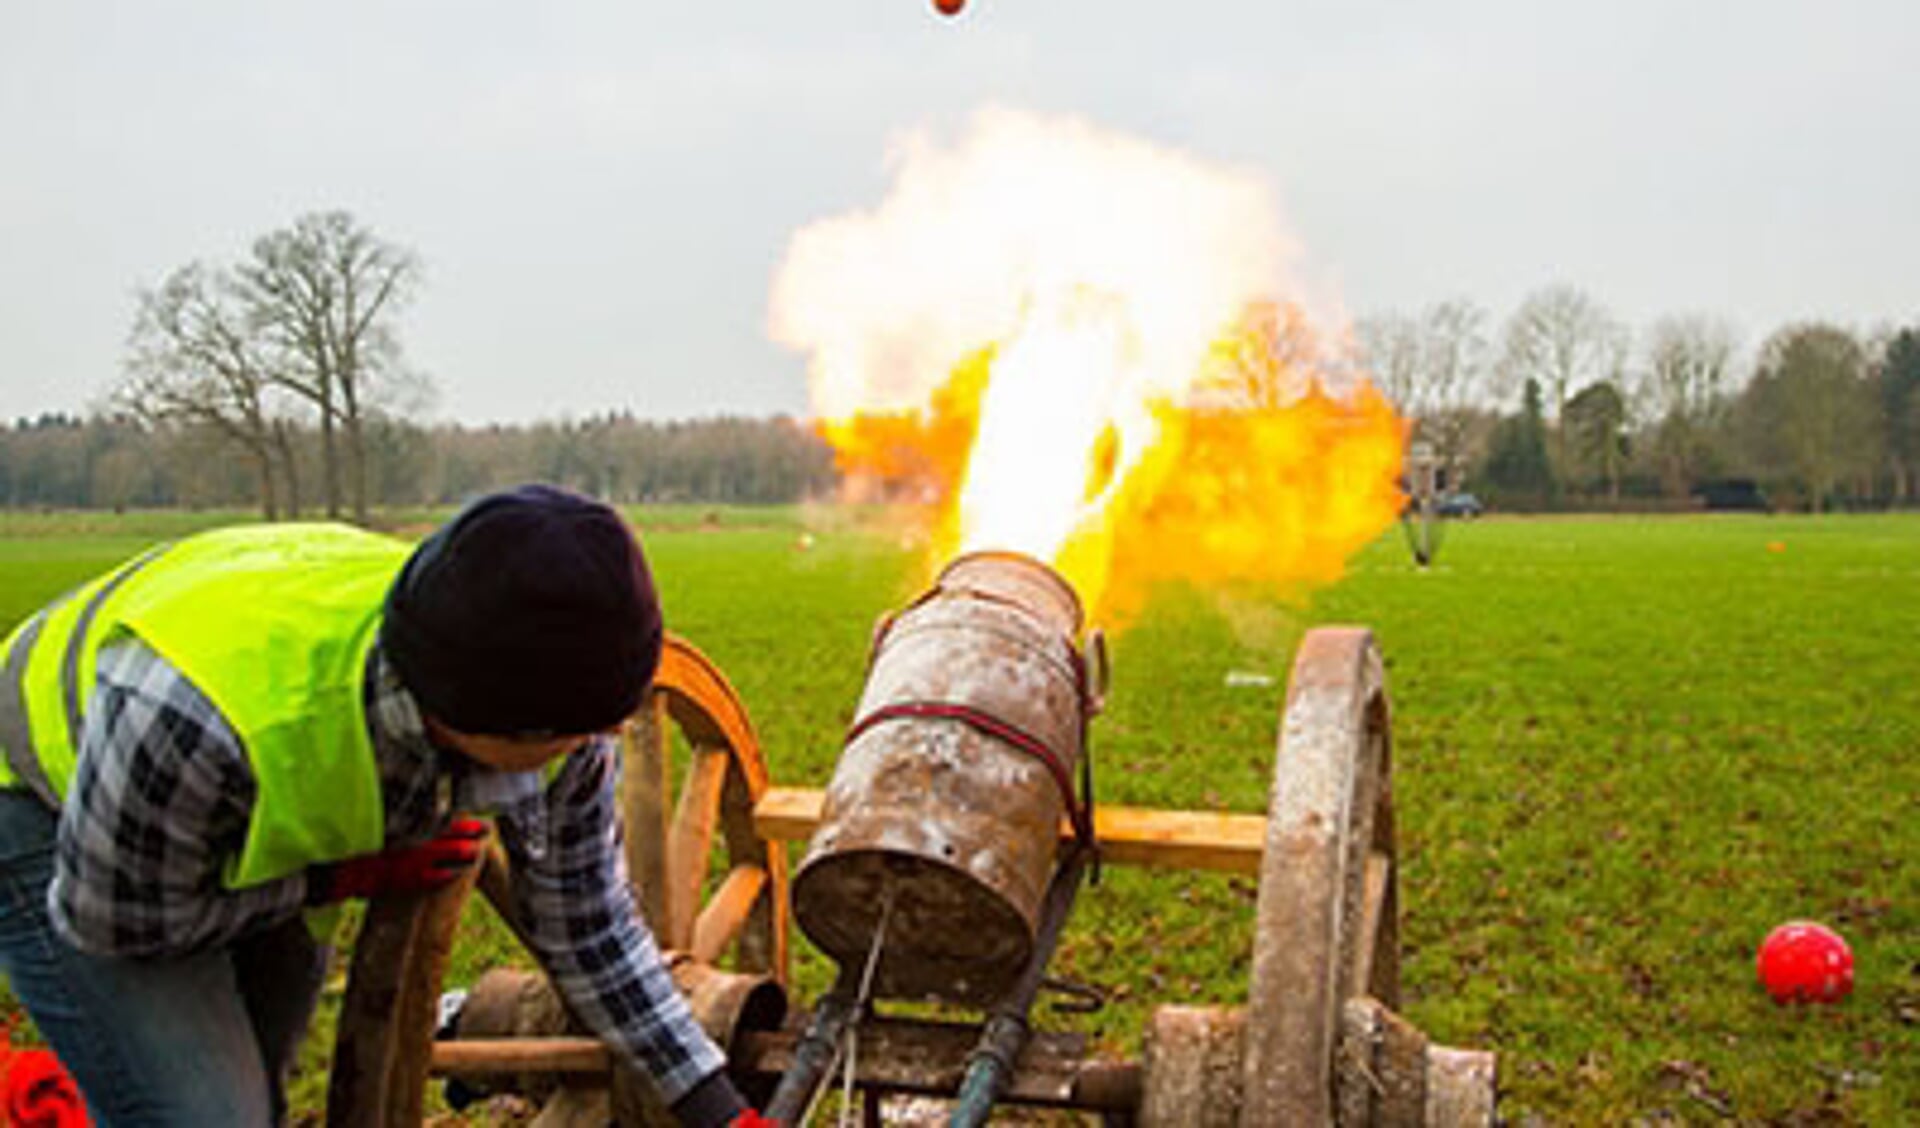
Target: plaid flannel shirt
160	800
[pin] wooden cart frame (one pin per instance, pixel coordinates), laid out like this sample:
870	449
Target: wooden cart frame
1318	1041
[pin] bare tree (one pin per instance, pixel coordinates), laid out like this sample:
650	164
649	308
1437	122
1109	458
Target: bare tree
1566	340
1434	369
1688	375
192	360
1453	376
324	293
1390	349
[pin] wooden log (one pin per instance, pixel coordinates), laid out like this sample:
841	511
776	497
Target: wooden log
515	1026
1192	1070
1380	1071
1463	1087
1135	836
1388	1074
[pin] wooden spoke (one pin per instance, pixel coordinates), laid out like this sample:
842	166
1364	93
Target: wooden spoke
725	777
1325	926
645	792
690	842
726	916
384	1041
1379	877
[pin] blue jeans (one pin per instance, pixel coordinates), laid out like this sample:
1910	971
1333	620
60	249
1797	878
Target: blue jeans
196	1040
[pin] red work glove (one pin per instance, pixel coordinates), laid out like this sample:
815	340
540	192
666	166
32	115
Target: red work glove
409	869
752	1119
40	1093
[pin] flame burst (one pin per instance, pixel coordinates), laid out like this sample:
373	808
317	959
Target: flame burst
1069	339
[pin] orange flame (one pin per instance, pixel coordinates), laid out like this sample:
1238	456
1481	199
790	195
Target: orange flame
1066	339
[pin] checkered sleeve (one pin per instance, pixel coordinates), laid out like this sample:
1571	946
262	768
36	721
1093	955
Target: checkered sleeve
571	889
159	802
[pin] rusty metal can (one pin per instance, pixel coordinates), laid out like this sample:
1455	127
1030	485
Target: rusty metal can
944	812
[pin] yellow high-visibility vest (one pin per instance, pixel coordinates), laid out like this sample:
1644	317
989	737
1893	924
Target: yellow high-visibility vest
273	623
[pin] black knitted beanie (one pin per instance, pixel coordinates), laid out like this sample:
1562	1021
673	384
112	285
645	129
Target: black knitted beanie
530	613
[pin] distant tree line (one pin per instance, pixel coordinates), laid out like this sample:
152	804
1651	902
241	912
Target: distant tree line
118	461
1563	407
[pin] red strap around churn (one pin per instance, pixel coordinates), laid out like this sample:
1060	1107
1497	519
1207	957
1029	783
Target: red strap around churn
1077	812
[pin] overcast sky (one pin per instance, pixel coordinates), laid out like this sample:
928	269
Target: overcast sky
601	191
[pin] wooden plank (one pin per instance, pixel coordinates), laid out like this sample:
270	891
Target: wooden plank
1128	836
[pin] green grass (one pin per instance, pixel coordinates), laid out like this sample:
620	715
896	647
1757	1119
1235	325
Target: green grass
1624	748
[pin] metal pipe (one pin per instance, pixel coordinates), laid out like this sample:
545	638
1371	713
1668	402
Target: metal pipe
817	1050
991	1065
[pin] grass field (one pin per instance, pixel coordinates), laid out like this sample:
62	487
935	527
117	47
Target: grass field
1625	749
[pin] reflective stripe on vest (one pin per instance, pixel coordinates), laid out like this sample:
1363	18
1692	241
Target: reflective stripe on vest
273	624
16	735
40	716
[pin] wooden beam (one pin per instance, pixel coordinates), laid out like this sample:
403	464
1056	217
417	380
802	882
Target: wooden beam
470	1057
1128	836
895	1055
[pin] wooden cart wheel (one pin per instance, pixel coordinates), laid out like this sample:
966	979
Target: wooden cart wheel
384	1039
670	848
1326	928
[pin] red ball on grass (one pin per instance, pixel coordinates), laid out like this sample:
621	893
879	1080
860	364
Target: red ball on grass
1805	962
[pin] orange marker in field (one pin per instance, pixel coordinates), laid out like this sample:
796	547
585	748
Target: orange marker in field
949	7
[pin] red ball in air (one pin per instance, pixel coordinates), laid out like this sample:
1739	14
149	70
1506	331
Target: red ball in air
1805	962
949	7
